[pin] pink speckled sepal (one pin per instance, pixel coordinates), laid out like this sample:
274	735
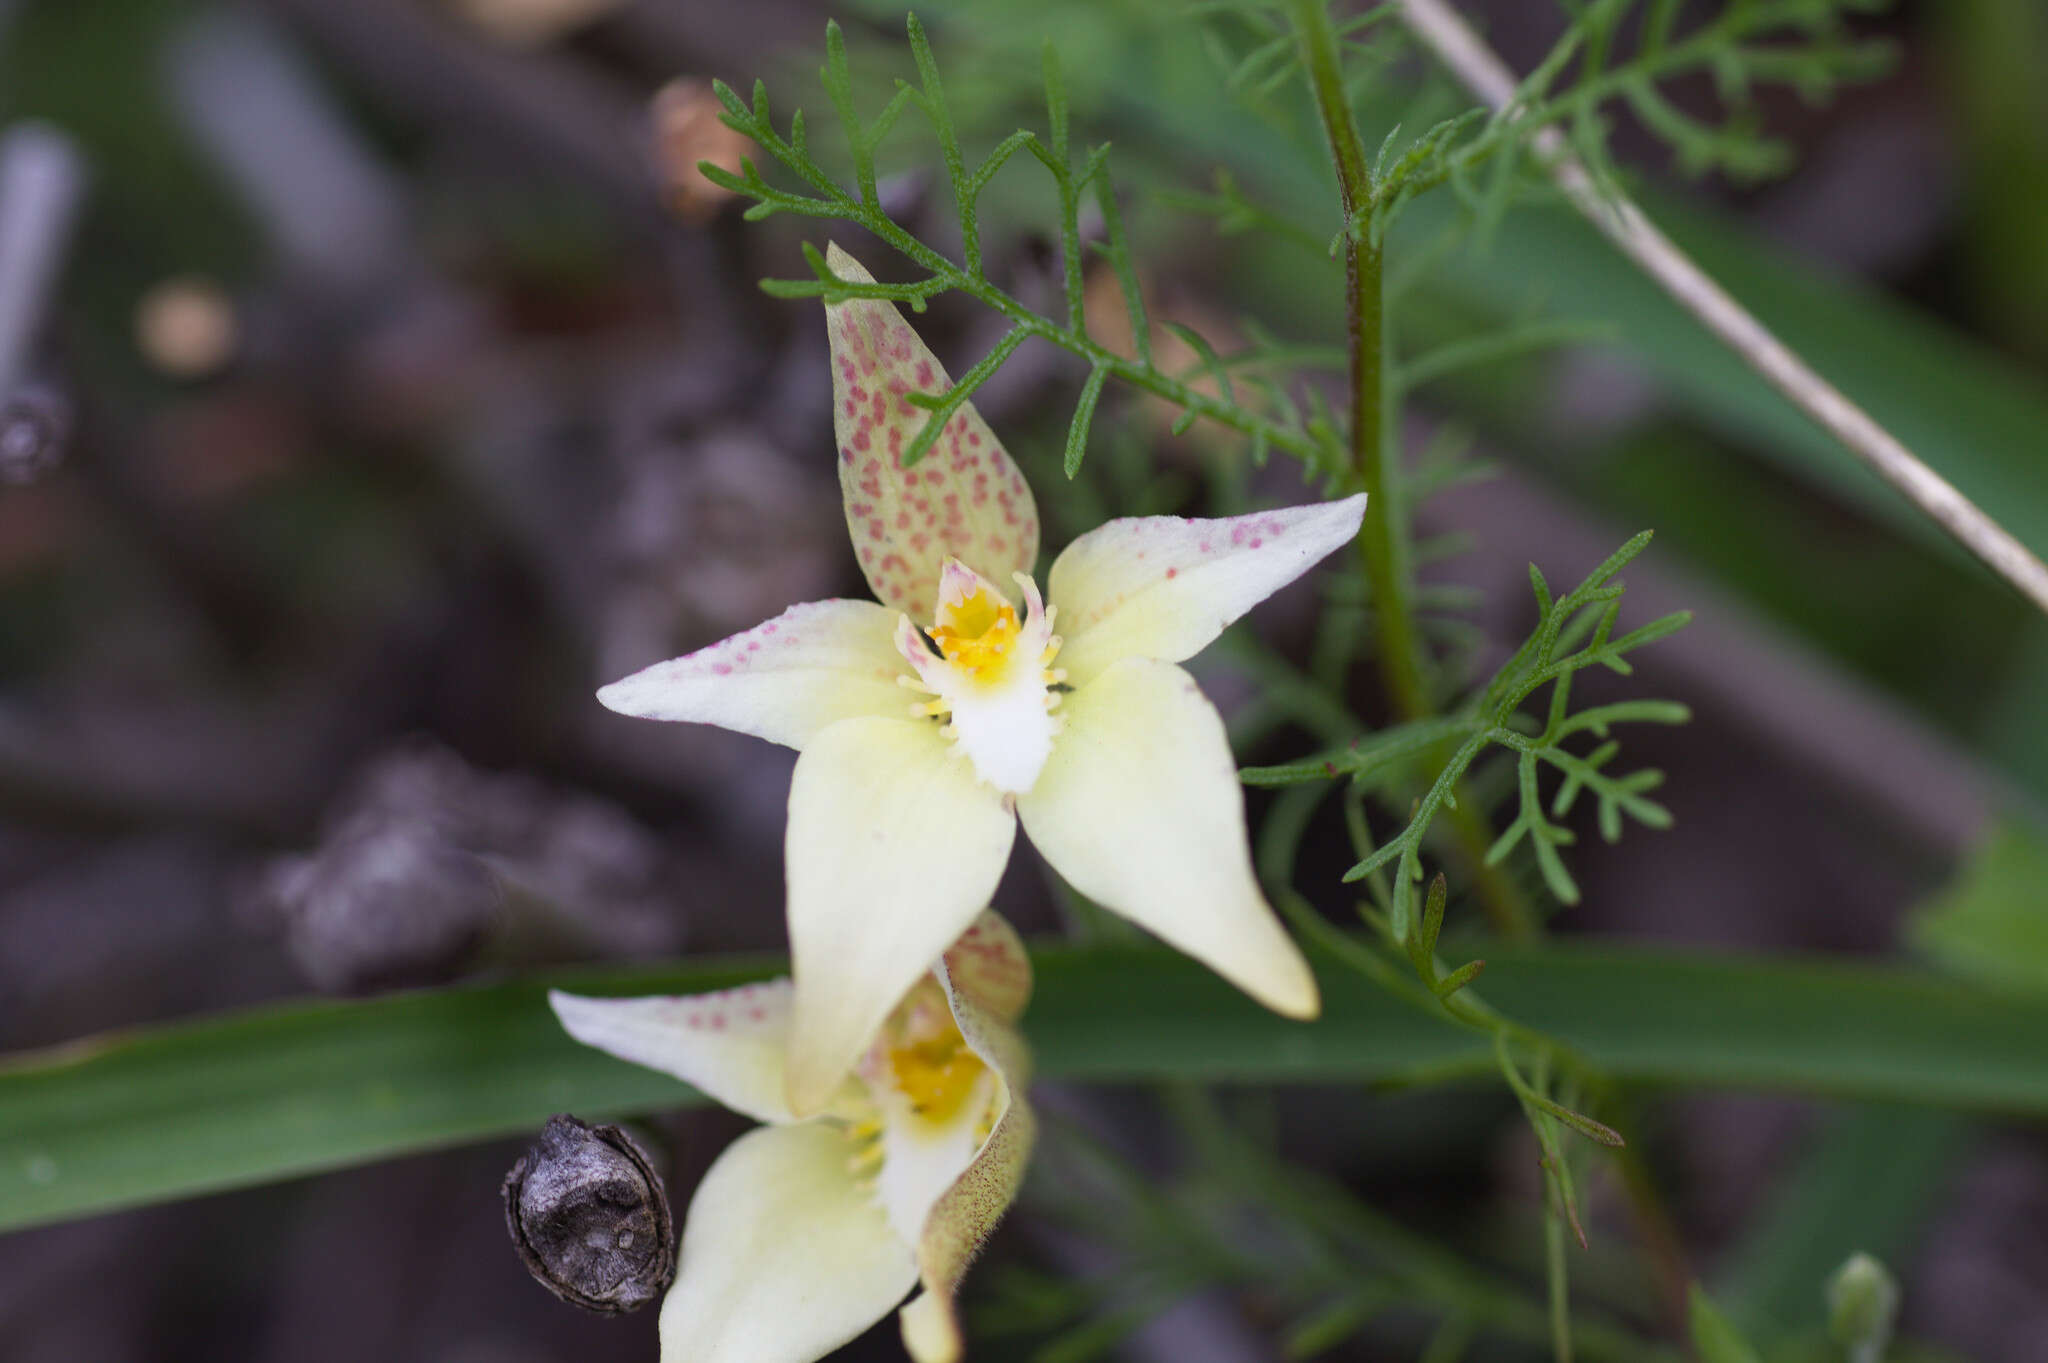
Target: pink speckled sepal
729	1044
965	498
989	965
987	979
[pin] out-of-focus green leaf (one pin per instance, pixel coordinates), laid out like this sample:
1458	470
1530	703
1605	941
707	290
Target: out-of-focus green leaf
1992	924
1714	1339
1974	416
1990	53
1873	1175
226	1102
1868	1183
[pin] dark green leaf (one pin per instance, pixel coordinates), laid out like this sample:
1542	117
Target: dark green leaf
253	1097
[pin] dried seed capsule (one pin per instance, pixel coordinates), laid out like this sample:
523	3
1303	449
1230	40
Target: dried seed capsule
590	1217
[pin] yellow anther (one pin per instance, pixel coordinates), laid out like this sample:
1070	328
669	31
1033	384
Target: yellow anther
930	1064
936	1075
976	633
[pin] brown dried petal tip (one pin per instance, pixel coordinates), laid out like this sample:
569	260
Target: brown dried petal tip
590	1217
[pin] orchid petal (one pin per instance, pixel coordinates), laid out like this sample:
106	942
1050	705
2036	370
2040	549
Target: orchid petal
784	680
964	498
893	847
1140	810
922	1158
961	1219
785	1255
1163	587
988	965
728	1045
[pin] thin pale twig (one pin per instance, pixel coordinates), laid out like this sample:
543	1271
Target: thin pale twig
41	178
1487	77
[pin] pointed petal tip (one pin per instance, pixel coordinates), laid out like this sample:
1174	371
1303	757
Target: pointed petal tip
569	1008
1281	981
805	1090
844	265
1163	587
1284	982
931	1334
584	1018
1303	1006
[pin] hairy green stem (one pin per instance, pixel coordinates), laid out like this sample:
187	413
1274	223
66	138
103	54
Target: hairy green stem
1372	440
1399	653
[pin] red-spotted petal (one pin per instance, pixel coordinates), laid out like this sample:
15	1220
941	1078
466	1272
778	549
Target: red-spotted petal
990	966
964	499
1162	587
783	680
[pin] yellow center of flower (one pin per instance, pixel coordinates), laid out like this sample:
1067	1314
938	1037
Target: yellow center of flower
991	683
978	633
930	1063
937	1076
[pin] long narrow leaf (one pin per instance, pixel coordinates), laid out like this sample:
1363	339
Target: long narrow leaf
293	1089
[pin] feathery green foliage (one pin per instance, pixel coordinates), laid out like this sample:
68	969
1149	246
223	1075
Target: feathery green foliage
1315	447
1264	393
1612	55
1574	632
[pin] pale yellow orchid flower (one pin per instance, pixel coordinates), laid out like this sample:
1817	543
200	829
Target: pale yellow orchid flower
809	1230
902	811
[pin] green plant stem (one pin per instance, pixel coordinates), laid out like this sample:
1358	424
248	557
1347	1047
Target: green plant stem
1655	1226
1425	1271
1400	654
1505	908
1555	1280
1372	438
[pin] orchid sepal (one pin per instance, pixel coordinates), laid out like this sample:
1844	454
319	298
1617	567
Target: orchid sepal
964	499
